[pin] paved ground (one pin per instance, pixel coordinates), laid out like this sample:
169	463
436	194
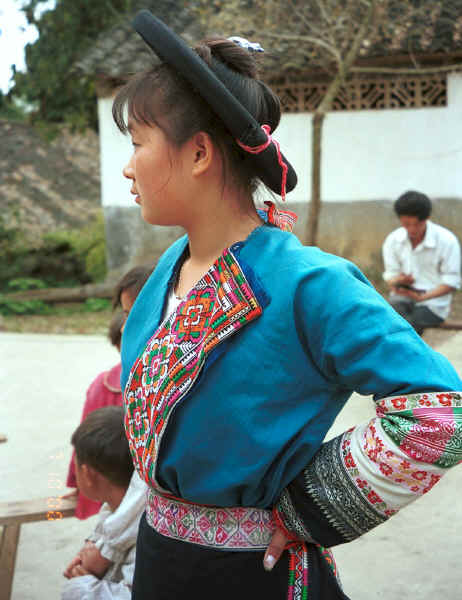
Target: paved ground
42	385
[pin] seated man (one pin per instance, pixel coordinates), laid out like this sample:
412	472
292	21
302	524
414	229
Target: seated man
103	569
422	263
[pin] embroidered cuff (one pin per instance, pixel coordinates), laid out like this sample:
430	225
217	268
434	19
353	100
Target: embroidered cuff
288	520
361	478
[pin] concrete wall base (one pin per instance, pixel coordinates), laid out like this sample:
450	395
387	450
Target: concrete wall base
354	230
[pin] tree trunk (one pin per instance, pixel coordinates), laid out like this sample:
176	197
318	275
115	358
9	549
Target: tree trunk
77	294
312	225
315	204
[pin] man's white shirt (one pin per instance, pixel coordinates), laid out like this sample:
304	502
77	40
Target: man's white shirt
435	261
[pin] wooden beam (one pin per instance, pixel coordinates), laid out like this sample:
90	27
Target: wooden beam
8	550
454	325
12	515
75	294
52	508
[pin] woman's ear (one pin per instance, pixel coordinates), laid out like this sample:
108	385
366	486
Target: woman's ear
203	153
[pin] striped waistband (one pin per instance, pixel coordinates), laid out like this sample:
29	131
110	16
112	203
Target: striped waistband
226	529
219	528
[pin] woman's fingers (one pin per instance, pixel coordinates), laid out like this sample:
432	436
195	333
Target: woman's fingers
275	549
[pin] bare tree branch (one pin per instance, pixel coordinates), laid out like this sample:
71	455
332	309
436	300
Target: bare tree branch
305	38
327	17
408	70
312	225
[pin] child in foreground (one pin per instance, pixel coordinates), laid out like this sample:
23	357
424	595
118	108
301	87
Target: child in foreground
103	568
105	388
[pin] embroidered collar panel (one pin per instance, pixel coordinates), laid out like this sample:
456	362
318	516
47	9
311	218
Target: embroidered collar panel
218	306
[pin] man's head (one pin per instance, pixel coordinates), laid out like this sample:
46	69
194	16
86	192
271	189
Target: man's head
413	209
102	456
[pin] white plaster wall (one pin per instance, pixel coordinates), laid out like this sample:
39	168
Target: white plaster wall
115	150
367	155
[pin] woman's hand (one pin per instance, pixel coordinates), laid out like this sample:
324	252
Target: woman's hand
275	549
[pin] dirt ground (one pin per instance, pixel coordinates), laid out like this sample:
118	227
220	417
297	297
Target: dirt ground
43	381
96	323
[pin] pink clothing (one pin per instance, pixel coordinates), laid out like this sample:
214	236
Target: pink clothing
103	391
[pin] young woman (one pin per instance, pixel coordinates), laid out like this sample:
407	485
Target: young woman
243	347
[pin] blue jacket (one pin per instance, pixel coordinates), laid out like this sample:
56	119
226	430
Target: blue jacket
267	395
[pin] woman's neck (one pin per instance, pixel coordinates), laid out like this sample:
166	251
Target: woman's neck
208	240
222	217
210	234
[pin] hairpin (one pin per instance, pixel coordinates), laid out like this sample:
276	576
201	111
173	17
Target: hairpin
243	43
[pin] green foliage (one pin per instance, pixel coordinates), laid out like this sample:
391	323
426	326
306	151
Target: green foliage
11	110
52	82
22	284
12	253
88	246
9	307
23	307
58	259
96	304
47	131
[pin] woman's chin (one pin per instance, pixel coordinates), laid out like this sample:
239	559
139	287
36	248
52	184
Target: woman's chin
160	220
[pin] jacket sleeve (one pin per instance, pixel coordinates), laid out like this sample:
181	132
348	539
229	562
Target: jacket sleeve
360	479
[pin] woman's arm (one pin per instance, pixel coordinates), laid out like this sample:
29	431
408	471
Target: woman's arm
363	477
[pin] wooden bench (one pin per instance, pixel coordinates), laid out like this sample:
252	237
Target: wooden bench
12	516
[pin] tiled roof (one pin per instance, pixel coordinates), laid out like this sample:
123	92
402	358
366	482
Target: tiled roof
120	51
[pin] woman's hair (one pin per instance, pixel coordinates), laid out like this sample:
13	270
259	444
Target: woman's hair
132	282
413	204
164	98
100	442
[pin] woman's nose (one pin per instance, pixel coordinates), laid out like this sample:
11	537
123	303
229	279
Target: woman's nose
128	171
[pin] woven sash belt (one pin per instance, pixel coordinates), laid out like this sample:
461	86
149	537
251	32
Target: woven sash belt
225	529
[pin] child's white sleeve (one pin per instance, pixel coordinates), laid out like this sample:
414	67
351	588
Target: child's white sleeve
89	587
117	533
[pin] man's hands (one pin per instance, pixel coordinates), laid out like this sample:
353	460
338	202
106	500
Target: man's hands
401	279
89	561
412	294
400	285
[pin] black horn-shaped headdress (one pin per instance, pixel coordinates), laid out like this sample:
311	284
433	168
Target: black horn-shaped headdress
270	164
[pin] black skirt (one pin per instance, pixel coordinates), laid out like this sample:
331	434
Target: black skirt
167	569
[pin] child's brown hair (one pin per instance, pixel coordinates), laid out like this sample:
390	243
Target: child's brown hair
100	442
132	282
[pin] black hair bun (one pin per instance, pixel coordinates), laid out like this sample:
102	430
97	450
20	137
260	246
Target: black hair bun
235	57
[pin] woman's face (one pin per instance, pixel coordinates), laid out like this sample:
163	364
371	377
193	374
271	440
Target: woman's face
155	170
